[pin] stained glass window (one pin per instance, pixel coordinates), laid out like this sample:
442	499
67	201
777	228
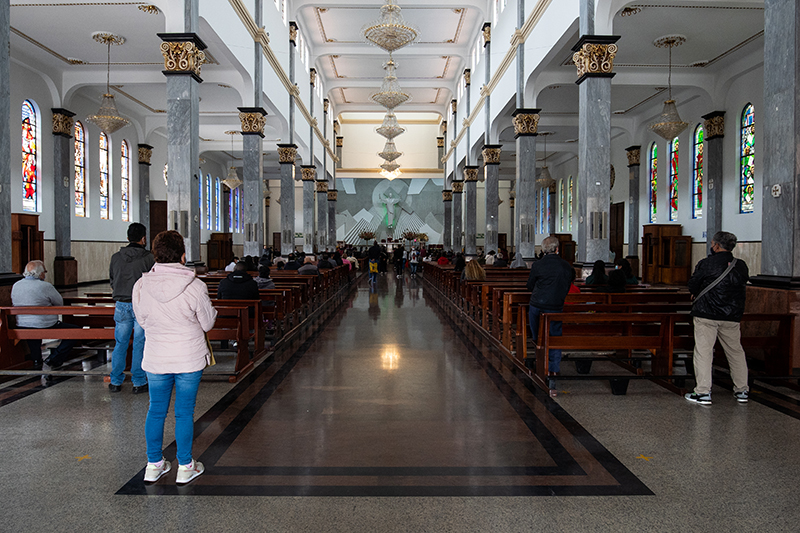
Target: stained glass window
548	207
208	201
537	212
747	160
104	184
125	182
697	173
238	206
673	180
561	205
218	210
653	176
570	195
231	224
30	157
80	171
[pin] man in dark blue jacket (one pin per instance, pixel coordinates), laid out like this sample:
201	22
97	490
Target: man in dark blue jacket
549	283
718	287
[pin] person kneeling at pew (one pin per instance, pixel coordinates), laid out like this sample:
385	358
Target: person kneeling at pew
549	282
34	291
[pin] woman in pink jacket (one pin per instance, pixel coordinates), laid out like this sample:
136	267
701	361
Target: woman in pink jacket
173	307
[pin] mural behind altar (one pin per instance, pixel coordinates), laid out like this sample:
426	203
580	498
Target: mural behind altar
389	208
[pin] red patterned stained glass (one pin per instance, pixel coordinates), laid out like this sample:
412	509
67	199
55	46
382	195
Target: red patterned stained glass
104	211
697	174
673	180
653	171
30	168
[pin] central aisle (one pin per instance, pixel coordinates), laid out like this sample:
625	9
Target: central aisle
388	398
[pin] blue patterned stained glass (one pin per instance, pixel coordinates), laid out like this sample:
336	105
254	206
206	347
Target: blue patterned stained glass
747	160
104	184
125	182
218	205
673	180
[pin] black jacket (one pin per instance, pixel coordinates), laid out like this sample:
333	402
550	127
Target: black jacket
726	300
238	286
374	252
126	267
292	265
549	282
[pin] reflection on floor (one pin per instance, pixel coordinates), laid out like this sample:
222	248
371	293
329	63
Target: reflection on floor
390	398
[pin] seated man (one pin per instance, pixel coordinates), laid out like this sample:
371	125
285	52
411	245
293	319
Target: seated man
308	267
239	285
263	280
232	264
34	291
293	264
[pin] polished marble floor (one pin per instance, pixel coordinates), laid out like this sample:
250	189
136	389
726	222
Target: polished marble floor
390	416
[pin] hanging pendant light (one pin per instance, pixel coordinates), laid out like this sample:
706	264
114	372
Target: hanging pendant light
390	95
545	179
669	125
390	128
390	31
232	180
390	152
391	170
108	118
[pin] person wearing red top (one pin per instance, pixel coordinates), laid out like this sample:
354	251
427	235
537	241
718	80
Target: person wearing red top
443	261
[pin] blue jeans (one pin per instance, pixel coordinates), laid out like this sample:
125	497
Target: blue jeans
161	385
413	268
554	356
125	323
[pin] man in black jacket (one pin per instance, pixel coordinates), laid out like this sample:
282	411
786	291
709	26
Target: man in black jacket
239	285
549	283
293	264
126	267
717	313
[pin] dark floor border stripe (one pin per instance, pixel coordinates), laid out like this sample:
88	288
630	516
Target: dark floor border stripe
765	398
631	484
386	471
29	391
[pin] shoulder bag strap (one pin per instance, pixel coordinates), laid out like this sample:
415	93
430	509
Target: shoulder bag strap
716	281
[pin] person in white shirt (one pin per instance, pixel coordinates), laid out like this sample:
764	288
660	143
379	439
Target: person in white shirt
229	268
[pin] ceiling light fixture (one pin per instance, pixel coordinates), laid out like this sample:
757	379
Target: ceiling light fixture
545	179
232	180
669	125
390	31
107	117
390	128
390	152
390	95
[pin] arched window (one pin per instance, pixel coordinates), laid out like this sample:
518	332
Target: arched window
653	176
561	205
80	170
208	201
104	183
747	158
218	210
125	181
238	206
231	211
697	172
30	157
673	180
570	196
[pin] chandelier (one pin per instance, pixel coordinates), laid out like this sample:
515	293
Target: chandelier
390	31
545	179
232	180
669	125
107	117
390	152
390	95
390	128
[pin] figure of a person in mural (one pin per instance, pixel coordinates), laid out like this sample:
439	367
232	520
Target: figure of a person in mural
390	200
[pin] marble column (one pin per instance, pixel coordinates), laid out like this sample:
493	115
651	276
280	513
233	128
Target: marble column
145	153
253	120
65	267
491	168
634	155
183	56
456	235
458	215
526	124
309	174
713	177
780	208
471	222
447	198
512	200
594	56
333	195
295	92
5	143
339	146
287	153
322	213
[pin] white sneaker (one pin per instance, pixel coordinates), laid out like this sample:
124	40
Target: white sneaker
186	473
153	472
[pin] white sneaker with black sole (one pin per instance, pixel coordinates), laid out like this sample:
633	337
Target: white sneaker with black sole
186	473
154	471
702	399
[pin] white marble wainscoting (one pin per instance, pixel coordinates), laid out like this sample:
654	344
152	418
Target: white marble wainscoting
750	252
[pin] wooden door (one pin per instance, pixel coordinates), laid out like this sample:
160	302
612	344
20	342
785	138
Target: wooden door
616	237
27	242
276	244
502	242
158	218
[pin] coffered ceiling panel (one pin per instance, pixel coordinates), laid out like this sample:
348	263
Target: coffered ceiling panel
436	24
371	68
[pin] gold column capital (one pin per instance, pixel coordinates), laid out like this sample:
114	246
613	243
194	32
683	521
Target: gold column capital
491	154
453	106
440	142
293	32
145	153
325	105
339	142
634	155
312	77
467	76
63	123
471	173
183	54
321	186
309	172
714	125
287	153
253	120
526	122
487	33
332	195
594	56
512	202
447	196
458	187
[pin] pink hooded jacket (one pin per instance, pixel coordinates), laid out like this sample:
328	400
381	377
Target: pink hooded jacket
174	309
